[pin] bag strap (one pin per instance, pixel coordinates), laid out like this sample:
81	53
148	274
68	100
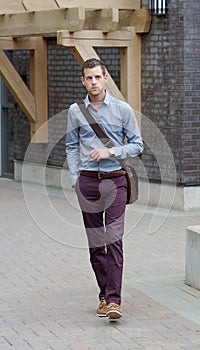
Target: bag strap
95	126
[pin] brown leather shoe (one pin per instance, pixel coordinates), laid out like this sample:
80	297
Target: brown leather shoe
114	311
102	308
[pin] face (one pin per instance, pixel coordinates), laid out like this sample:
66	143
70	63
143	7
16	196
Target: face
94	81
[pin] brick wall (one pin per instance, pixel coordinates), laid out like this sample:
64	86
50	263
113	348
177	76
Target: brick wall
170	86
190	128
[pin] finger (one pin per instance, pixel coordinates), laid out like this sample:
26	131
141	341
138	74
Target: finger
93	152
95	157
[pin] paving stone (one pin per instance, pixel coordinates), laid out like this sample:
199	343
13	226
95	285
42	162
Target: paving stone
48	293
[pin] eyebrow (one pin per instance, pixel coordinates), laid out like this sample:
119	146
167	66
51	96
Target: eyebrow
95	76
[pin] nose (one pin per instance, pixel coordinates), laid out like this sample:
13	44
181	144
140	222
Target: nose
94	80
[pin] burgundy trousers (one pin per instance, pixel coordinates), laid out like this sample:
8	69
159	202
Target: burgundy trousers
103	204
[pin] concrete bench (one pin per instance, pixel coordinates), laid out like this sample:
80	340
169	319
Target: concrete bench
192	259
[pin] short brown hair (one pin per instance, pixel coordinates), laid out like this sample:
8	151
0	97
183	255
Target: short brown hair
92	63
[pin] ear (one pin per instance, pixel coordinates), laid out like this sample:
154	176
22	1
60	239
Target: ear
83	81
106	77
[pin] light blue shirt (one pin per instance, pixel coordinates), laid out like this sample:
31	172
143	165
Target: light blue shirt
117	120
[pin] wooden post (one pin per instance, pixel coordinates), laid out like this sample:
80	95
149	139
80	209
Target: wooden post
39	88
131	73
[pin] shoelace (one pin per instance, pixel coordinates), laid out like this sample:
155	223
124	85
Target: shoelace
113	305
102	303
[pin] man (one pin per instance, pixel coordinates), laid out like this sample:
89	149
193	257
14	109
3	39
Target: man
100	181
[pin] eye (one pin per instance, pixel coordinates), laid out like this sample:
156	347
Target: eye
89	78
97	77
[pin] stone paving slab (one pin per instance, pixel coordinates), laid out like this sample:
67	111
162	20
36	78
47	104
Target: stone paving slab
48	293
172	292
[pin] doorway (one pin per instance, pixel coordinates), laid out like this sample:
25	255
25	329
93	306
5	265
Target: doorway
6	133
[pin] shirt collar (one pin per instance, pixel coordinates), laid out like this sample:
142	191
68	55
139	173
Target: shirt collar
106	99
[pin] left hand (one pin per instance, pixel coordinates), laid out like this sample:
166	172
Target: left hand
100	153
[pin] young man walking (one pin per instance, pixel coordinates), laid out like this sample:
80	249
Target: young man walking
99	180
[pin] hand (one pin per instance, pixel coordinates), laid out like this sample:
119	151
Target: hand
100	153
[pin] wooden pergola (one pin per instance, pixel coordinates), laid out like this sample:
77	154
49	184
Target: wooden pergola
80	25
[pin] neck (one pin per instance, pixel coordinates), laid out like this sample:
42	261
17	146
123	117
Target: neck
97	99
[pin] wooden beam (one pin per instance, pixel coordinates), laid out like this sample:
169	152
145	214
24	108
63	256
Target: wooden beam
42	22
131	73
11	7
103	4
39	88
140	19
17	87
7	6
21	43
38	5
47	23
82	53
94	37
105	20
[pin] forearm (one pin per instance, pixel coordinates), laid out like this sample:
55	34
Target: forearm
121	152
130	149
73	161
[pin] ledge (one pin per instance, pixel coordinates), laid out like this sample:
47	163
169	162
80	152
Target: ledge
151	194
